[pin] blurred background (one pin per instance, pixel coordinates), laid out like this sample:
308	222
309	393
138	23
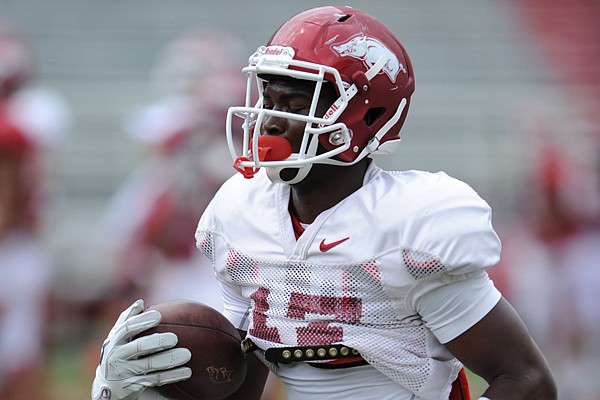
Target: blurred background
112	142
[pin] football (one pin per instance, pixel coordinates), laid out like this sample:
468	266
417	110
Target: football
218	363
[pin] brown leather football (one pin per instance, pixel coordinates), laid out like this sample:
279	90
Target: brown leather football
218	364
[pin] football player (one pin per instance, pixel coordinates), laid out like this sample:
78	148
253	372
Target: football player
26	267
347	281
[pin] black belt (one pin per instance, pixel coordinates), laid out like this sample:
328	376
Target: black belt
287	355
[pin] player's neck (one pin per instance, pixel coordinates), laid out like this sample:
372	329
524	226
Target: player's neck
325	187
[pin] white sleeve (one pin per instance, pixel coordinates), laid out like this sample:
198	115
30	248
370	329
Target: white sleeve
210	241
451	308
453	225
236	307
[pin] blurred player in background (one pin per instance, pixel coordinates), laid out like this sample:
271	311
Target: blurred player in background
25	268
549	269
347	281
33	122
41	112
150	218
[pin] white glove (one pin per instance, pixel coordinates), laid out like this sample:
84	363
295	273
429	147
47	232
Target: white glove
128	366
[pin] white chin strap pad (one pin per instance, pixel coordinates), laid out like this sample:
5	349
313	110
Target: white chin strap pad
274	174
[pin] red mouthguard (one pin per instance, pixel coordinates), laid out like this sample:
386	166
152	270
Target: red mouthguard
273	148
270	148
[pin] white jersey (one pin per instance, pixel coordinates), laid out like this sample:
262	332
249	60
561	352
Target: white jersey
394	270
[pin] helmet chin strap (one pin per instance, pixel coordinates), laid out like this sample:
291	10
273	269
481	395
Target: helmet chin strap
274	174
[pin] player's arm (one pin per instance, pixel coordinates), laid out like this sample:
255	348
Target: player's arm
480	328
236	309
500	350
462	307
256	378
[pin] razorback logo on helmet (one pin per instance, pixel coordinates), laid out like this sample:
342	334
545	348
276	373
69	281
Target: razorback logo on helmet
369	50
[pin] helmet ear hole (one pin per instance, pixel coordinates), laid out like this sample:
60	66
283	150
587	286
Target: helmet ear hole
372	115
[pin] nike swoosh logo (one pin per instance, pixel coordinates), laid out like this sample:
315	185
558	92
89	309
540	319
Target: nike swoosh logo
328	246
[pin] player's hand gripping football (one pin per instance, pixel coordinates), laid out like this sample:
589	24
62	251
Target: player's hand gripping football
128	365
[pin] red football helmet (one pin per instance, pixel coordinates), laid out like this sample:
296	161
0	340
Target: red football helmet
366	64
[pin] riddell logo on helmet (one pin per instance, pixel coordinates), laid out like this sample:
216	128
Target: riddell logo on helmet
369	50
334	107
273	50
278	51
331	111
